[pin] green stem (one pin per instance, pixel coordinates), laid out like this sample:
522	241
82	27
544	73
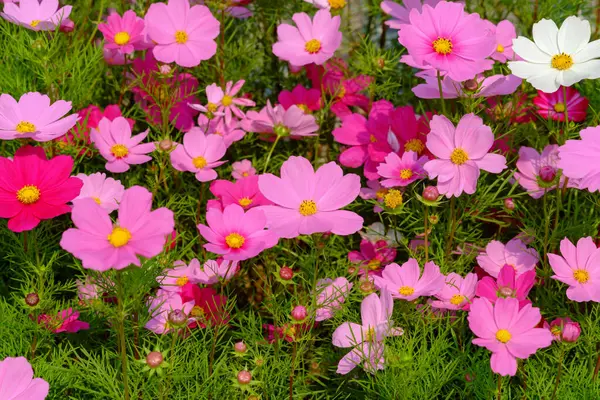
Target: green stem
439	79
271	153
294	351
99	21
172	362
452	226
425	221
499	386
121	331
560	361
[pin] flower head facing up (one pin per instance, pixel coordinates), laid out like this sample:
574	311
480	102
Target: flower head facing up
242	169
515	254
36	15
406	282
461	153
308	201
373	255
292	122
457	292
209	307
578	159
107	192
17	381
183	34
504	33
507	285
235	234
557	57
33	188
402	171
399	13
508	331
579	267
312	41
173	279
124	34
244	192
102	245
555	106
199	154
34	117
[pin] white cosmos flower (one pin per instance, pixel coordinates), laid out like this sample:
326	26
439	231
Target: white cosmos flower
557	57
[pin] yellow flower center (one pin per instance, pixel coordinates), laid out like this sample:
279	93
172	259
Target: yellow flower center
119	237
122	38
380	194
97	200
415	145
308	208
500	49
244	174
34	23
372	139
459	156
181	37
25	127
581	275
406	290
28	194
559	107
562	61
503	335
245	201
556	330
197	312
199	162
374	264
406	174
304	108
211	107
337	4
370	334
119	150
312	46
235	240
393	198
182	280
442	46
227	100
457	299
341	92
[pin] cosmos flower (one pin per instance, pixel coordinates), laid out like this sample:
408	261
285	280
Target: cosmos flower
402	171
331	294
17	381
242	169
515	254
507	285
495	85
308	100
64	321
578	159
504	33
406	282
199	154
124	34
538	173
554	106
457	292
244	192
36	15
107	192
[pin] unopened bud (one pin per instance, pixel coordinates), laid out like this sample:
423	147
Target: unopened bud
32	299
299	313
286	273
244	377
240	347
154	359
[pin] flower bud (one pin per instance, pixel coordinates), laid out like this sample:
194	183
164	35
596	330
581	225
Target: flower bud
244	377
32	299
470	84
367	287
240	347
299	313
154	359
165	144
286	273
351	270
177	318
547	173
165	69
509	204
469	377
571	332
431	193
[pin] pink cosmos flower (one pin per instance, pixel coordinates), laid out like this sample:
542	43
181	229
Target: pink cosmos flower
114	57
17	381
308	100
199	154
107	192
406	282
579	267
328	4
402	171
457	292
373	191
102	245
214	271
504	33
229	103
174	278
507	285
33	117
244	192
124	34
36	15
235	8
554	106
163	304
515	254
88	289
183	34
579	159
564	329
209	307
242	169
507	331
400	12
308	202
311	42
331	295
65	321
230	132
235	234
373	255
449	40
214	96
120	149
538	173
495	85
461	152
33	188
291	122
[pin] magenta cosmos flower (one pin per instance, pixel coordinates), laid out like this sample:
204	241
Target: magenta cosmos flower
308	100
311	42
579	267
308	202
538	173
507	331
33	117
400	12
64	321
199	154
124	34
504	34
495	85
331	294
244	192
402	171
515	253
36	15
114	141
373	255
17	381
406	282
507	285
235	234
448	39
102	245
183	34
554	106
457	292
242	169
33	188
579	159
461	152
107	192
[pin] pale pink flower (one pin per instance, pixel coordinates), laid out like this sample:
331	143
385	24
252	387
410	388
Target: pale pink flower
36	15
199	154
504	33
163	304
107	192
402	171
174	278
538	173
406	282
124	34
291	122
230	103
328	4
495	85
579	159
230	132
515	254
17	381
399	12
457	292
242	169
88	289
373	191
331	294
214	95
219	270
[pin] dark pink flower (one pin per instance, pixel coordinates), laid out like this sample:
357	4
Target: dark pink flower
308	100
507	285
65	321
373	255
244	192
554	106
209	307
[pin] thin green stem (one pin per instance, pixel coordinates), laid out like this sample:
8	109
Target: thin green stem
451	226
439	79
271	153
294	351
560	362
499	387
425	221
121	331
